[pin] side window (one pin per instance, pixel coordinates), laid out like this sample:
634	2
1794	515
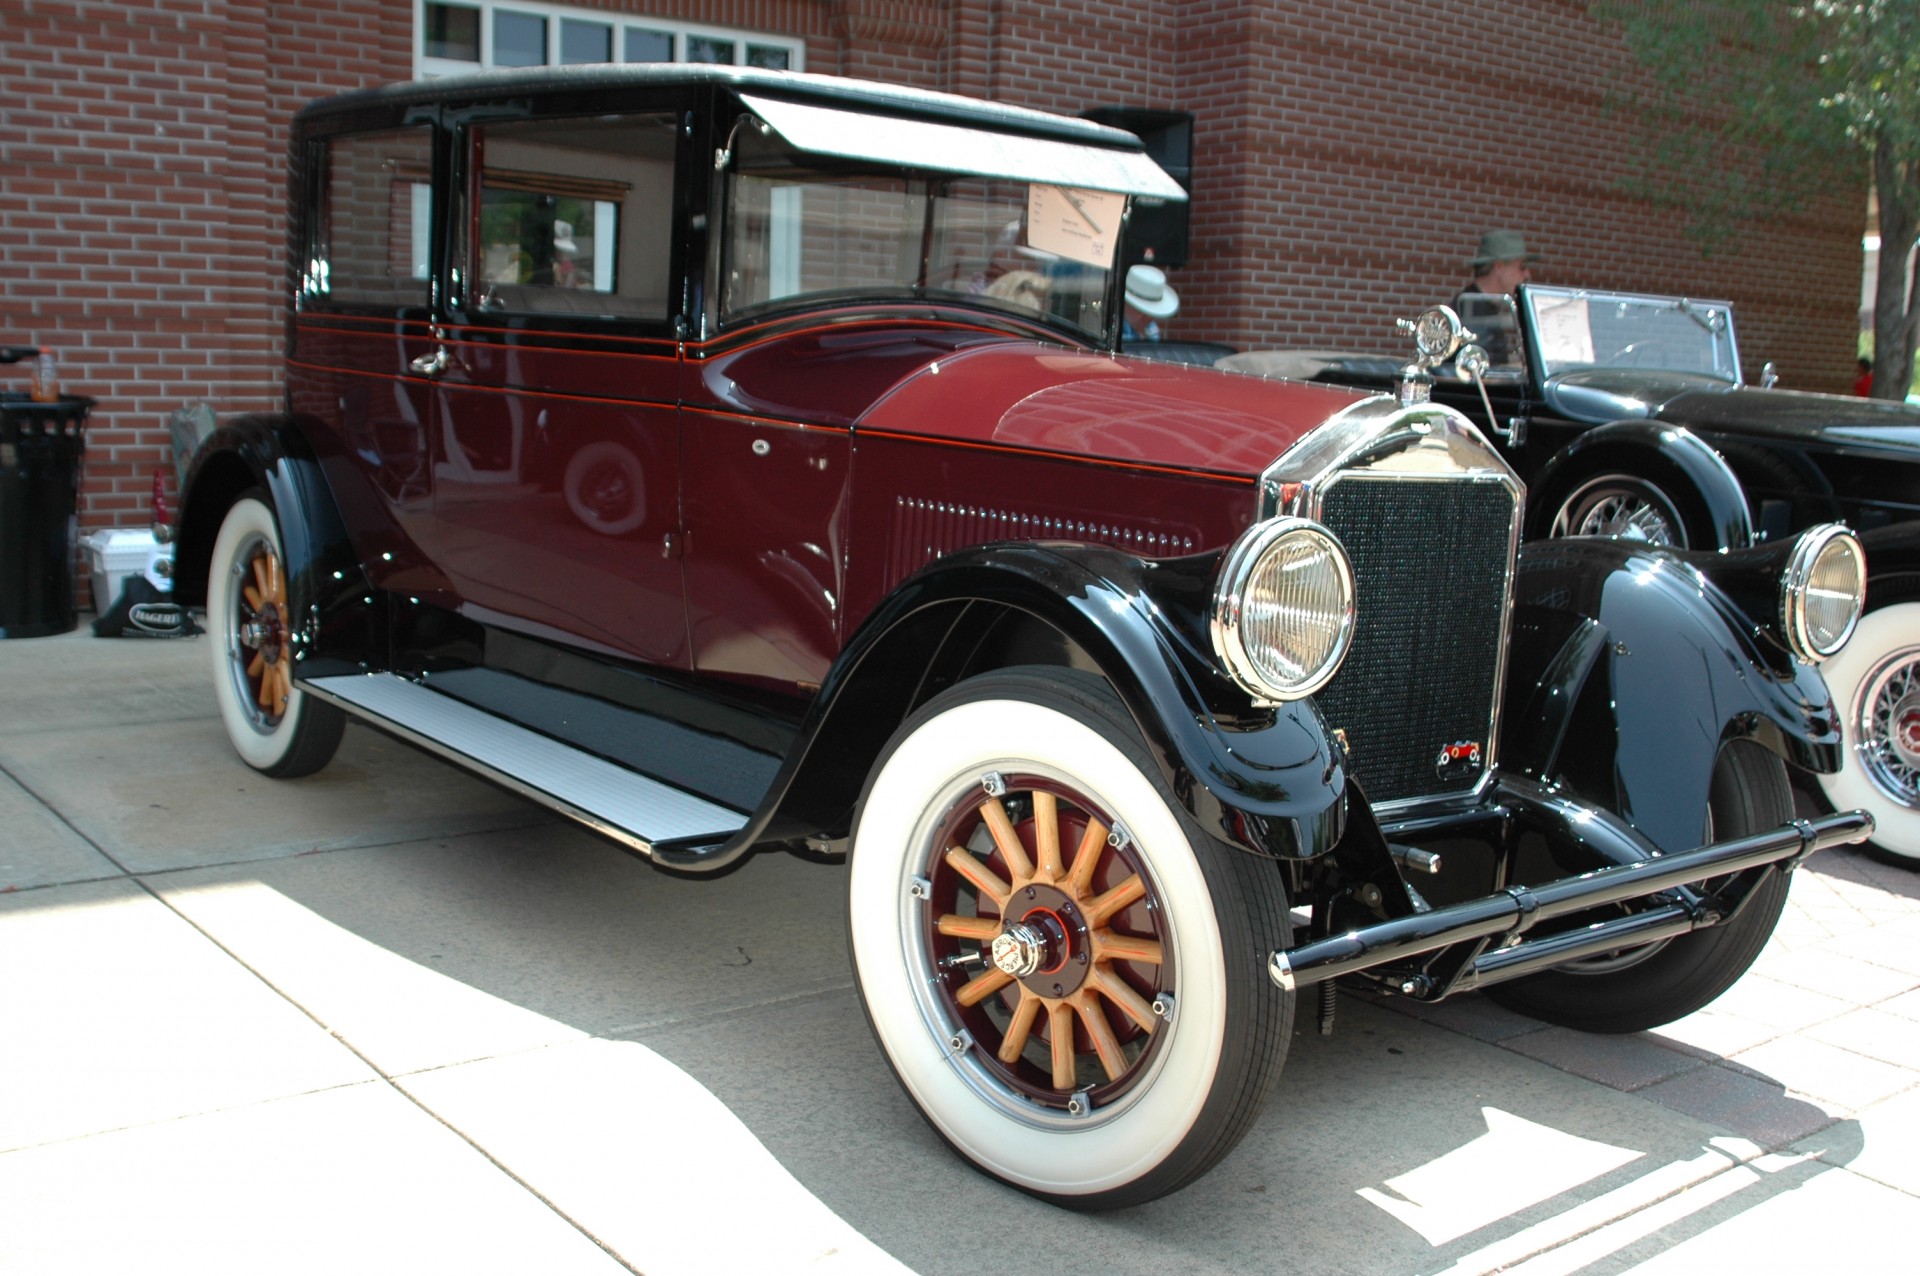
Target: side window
372	237
572	216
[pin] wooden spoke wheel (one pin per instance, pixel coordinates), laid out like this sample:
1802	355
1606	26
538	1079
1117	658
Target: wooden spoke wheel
1044	932
1066	974
274	726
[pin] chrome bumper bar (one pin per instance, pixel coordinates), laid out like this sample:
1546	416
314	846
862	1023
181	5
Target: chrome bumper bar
1506	915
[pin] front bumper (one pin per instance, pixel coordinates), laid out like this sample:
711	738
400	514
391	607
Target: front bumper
1435	953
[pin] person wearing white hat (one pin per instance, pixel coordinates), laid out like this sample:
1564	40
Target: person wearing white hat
1150	298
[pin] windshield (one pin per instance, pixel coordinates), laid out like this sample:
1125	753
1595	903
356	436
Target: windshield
1580	329
802	226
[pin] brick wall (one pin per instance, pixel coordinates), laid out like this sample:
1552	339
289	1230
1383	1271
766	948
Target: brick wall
1346	158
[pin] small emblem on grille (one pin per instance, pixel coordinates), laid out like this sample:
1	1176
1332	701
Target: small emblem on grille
1461	755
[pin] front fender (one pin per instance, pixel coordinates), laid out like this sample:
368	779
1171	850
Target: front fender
1269	780
326	587
1658	452
1630	669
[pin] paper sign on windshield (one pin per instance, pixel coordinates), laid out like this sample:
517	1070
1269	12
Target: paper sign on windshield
1080	225
1563	330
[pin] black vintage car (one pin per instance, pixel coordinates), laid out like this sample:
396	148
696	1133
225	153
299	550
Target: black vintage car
1628	415
668	444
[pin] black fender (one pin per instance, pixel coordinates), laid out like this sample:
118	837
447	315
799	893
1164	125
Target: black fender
327	589
1631	666
1893	562
1710	498
1270	780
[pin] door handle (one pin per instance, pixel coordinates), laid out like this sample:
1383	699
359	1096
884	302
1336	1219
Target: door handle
431	365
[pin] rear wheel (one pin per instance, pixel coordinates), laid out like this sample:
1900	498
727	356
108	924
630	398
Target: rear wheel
1875	682
275	727
1065	973
1642	988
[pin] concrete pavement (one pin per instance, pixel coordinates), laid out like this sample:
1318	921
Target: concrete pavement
391	1019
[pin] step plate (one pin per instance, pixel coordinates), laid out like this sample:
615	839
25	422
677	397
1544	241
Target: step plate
634	808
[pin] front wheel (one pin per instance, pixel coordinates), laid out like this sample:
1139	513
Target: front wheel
1621	505
1064	972
1875	682
276	728
1640	988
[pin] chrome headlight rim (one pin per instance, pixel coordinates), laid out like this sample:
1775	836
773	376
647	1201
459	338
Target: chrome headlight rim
1226	616
1810	552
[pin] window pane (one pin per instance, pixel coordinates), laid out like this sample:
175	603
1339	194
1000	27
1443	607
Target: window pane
585	41
769	58
576	217
519	39
375	220
453	32
648	46
701	48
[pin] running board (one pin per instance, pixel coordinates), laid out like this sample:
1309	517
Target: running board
633	809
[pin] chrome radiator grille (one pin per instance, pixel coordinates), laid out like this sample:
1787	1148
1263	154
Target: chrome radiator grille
1431	559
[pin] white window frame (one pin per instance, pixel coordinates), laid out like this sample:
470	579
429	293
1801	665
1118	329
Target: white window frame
427	68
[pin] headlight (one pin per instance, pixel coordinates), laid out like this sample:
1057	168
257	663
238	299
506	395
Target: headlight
1283	609
1822	591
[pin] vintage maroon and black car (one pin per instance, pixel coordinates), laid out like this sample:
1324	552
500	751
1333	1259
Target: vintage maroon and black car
738	463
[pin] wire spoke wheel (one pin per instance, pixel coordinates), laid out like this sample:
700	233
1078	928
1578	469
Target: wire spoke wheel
1621	505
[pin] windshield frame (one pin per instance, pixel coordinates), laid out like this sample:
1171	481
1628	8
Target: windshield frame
1566	319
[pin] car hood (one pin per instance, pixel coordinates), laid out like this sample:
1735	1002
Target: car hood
1874	424
1042	398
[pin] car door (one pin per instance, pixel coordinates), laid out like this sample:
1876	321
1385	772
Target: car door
555	433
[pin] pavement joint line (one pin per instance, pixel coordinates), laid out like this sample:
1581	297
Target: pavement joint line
701	1018
394	1085
61	815
178	1117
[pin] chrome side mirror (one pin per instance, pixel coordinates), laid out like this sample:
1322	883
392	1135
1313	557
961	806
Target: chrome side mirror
1768	375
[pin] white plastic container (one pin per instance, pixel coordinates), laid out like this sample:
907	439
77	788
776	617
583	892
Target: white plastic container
113	554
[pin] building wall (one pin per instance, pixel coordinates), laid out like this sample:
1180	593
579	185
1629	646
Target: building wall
1346	158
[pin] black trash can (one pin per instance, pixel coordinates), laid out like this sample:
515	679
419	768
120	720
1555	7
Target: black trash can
40	450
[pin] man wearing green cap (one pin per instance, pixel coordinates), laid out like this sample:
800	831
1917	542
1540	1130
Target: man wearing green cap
1502	265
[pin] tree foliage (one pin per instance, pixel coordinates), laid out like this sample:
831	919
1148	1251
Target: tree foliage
1753	108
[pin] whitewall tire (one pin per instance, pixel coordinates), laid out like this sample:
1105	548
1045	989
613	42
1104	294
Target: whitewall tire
1095	1031
1875	681
275	727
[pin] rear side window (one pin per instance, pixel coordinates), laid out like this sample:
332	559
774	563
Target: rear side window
572	216
372	233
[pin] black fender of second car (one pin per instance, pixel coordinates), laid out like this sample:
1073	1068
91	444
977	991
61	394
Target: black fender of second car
1709	497
333	611
1271	780
1616	641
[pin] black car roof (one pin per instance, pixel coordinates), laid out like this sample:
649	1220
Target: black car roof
824	90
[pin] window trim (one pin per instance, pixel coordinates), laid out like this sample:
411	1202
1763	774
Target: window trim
425	67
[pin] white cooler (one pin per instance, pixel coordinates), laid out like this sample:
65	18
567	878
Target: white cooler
113	554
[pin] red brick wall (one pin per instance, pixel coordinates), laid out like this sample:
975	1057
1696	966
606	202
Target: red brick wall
1346	158
142	214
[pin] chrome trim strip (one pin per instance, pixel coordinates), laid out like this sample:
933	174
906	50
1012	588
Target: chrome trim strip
631	808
